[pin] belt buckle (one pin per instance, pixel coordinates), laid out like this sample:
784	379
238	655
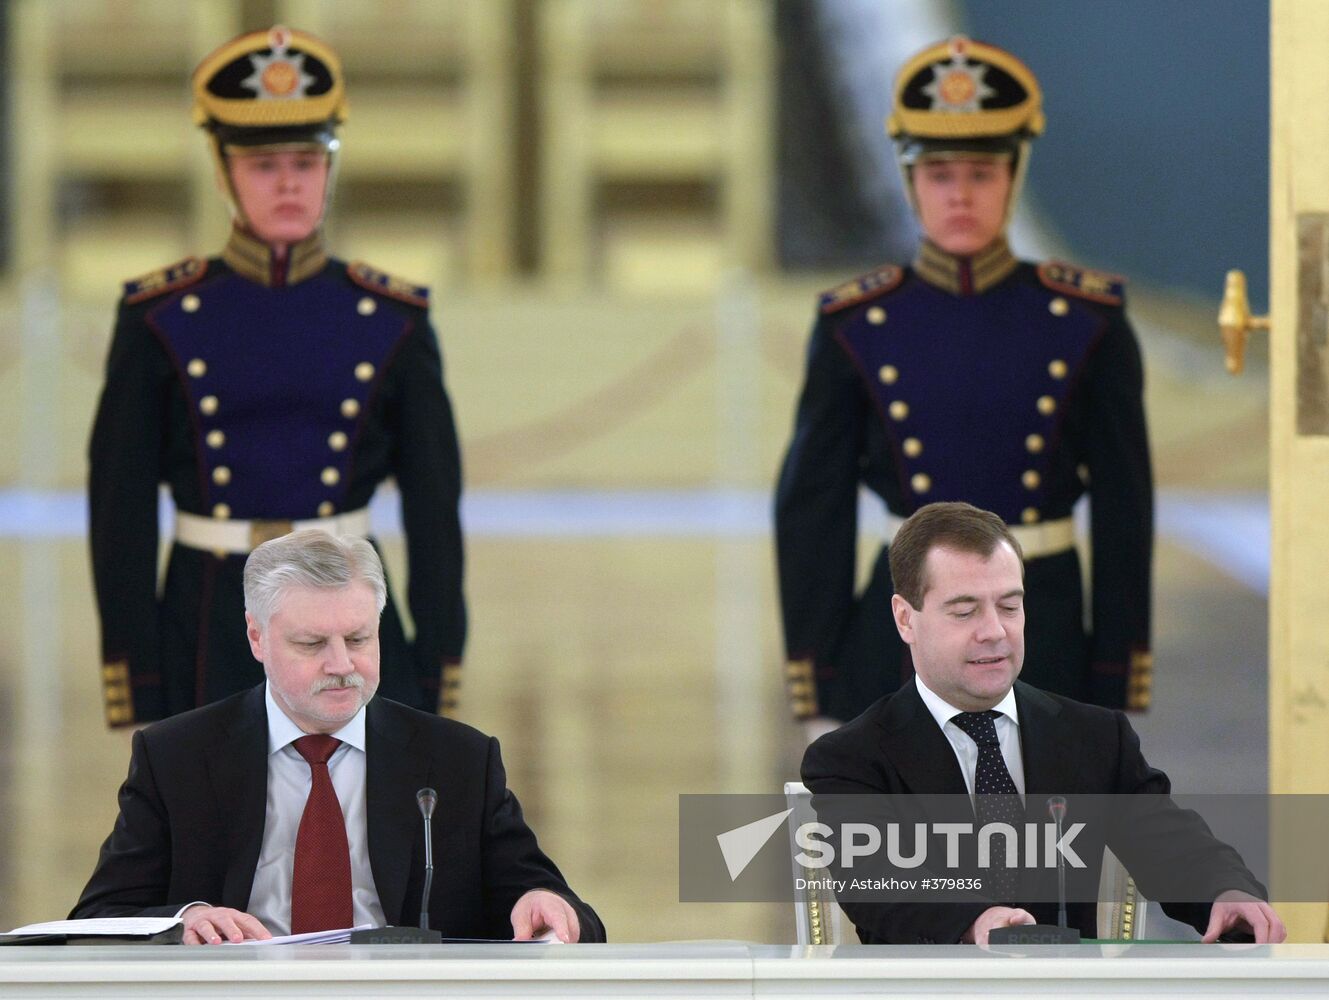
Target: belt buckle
266	531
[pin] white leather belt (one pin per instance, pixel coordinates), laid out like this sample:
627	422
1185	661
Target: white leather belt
1036	540
240	537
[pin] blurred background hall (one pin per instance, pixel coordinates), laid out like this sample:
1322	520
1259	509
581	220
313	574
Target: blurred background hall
625	209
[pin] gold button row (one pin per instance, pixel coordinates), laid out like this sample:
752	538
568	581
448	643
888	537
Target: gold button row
350	408
337	440
921	482
222	512
899	409
221	475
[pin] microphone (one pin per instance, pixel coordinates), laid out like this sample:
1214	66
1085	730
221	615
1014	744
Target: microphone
1061	932
1057	810
427	799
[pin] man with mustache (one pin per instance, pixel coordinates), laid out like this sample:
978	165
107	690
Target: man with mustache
291	807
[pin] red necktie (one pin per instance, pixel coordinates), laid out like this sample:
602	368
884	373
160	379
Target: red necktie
321	881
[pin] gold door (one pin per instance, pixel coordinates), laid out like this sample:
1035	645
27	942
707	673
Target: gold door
1299	416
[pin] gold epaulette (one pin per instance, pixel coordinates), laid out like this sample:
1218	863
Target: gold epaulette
116	695
163	280
1140	681
865	286
385	284
802	689
1096	286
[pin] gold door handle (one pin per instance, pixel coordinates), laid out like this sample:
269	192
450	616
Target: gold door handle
1236	322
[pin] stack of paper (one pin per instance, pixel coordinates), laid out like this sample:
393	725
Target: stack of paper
101	930
311	937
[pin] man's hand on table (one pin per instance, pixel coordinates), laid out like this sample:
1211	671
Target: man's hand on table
995	916
218	924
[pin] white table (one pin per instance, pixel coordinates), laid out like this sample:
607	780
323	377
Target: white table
721	969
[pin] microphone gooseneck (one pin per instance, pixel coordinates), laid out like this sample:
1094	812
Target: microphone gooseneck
1057	810
427	799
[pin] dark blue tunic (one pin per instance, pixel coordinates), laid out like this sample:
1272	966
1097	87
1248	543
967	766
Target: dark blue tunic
255	401
1018	399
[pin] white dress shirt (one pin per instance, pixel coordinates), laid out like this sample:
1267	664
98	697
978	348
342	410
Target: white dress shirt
966	750
289	781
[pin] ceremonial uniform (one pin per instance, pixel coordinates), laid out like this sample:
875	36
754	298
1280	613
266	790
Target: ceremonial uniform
272	388
1013	387
969	376
264	399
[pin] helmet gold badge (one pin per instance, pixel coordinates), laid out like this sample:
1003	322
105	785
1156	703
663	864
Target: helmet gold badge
962	89
278	79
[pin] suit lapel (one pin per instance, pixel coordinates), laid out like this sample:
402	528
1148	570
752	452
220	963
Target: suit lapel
916	746
394	772
239	768
1048	749
1050	756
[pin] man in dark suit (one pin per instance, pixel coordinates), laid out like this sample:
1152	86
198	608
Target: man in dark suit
292	807
964	724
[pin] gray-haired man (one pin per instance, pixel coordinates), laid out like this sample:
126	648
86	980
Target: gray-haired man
246	819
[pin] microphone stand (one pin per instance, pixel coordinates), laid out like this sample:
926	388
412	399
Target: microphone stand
426	799
1060	933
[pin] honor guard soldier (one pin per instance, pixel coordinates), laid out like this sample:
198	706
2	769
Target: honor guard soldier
271	388
968	375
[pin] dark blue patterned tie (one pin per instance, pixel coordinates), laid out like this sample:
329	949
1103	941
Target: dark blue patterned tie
996	799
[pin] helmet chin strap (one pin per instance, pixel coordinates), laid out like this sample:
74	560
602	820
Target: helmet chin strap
222	176
1018	170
